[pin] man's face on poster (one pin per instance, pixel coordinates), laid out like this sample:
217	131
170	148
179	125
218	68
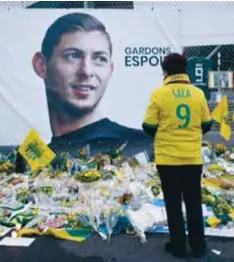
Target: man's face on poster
79	70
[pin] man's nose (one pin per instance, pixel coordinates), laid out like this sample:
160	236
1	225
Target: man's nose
86	67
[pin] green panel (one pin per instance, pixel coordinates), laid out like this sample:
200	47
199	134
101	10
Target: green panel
198	69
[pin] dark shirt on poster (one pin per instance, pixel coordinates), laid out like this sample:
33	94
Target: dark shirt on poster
103	136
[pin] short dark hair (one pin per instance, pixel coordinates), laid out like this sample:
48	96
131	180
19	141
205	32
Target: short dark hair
69	23
174	63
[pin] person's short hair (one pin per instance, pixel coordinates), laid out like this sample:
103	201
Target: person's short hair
70	23
174	63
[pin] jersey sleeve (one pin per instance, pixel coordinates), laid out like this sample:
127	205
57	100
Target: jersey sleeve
151	116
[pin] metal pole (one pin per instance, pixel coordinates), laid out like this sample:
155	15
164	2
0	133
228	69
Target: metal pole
219	61
219	96
214	51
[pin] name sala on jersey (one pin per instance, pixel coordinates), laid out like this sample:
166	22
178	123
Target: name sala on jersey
181	93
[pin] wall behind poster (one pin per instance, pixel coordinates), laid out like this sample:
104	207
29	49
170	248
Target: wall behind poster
147	36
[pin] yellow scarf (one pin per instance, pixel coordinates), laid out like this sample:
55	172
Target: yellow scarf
178	78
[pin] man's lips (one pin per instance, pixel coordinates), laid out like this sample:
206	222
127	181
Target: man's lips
83	87
82	90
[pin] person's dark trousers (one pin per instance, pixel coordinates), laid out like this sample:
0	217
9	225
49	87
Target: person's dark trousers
183	182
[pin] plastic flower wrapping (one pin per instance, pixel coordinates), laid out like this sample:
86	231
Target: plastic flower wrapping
75	197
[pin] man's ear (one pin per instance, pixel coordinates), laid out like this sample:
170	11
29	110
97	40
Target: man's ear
112	67
39	65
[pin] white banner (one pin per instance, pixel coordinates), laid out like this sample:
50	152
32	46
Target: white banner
140	41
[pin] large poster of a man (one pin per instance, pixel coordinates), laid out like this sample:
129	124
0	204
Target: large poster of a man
77	61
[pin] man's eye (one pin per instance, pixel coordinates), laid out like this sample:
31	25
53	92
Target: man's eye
101	59
72	56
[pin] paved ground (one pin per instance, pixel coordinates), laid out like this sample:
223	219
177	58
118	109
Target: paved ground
122	248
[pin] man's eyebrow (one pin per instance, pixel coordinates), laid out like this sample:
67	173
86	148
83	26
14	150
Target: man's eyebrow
101	53
75	49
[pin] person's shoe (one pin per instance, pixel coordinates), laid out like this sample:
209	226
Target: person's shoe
175	251
199	253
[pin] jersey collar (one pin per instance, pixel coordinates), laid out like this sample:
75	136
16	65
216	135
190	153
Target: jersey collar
177	79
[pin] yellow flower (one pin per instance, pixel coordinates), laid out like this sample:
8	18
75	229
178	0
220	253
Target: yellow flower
213	221
220	148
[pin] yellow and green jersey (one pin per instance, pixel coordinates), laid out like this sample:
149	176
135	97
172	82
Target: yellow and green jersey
178	109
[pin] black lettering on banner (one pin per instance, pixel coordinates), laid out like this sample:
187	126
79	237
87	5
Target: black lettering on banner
127	60
145	56
144	59
155	50
134	51
148	51
168	49
162	50
141	51
128	50
154	61
135	60
161	59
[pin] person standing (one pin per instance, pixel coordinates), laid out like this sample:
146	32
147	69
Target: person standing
177	116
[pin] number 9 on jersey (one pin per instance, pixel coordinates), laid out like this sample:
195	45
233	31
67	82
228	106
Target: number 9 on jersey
183	113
